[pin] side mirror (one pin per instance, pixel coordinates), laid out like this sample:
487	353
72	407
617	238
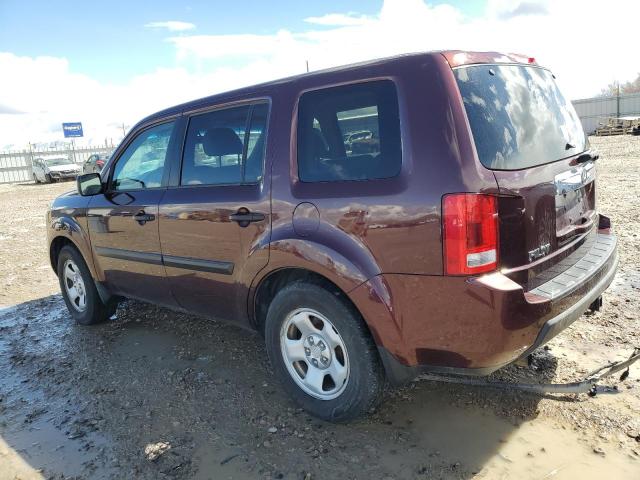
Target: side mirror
89	184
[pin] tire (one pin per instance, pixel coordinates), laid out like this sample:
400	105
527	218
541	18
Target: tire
35	179
47	178
83	302
296	327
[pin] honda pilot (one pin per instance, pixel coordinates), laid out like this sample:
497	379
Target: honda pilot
463	237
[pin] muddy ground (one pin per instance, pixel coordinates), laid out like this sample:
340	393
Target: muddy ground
157	394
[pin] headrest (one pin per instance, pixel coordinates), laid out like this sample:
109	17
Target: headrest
221	141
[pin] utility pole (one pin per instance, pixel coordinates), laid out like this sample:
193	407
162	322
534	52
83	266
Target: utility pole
124	132
307	62
30	154
73	150
618	100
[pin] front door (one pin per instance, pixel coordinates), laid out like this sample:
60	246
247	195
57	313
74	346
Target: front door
38	170
215	221
123	222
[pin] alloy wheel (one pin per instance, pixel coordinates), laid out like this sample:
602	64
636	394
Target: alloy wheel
315	354
74	286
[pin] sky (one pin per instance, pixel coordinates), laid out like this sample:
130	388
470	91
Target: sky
108	64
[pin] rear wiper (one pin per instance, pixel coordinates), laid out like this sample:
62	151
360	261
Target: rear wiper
588	156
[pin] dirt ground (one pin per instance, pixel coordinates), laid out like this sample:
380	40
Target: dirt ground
157	394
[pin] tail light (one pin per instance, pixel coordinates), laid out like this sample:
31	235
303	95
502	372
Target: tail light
100	163
470	231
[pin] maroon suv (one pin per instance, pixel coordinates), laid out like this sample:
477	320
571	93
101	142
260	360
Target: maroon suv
464	235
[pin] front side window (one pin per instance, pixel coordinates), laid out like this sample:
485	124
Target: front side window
225	146
349	133
142	163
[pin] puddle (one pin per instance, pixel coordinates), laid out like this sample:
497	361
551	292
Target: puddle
43	448
494	448
31	445
12	465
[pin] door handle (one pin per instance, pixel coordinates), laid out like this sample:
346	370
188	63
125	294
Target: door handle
143	218
244	217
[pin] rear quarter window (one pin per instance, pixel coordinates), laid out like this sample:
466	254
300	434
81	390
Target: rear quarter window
349	133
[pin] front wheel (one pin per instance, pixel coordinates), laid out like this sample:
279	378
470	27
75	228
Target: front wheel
322	352
79	290
47	178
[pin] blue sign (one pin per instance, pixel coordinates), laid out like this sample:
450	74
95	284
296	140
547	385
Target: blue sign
73	129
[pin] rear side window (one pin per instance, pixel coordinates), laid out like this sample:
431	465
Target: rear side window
518	116
349	133
225	146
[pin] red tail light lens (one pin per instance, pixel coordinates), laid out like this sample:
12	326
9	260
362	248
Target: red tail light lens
470	230
99	163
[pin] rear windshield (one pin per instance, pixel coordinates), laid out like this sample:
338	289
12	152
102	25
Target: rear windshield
518	116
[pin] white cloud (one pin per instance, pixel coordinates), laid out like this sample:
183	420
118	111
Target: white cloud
338	19
241	45
507	9
172	25
566	39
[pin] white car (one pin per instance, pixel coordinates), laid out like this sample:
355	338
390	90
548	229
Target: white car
55	168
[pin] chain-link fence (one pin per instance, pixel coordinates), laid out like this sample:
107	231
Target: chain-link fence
16	166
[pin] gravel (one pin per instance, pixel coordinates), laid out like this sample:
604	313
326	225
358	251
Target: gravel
158	394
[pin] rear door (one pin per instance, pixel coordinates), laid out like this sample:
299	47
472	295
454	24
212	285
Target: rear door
216	218
530	136
123	222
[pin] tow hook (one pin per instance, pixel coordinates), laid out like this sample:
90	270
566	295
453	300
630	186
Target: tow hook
596	305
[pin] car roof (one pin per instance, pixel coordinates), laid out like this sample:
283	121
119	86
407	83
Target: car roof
455	58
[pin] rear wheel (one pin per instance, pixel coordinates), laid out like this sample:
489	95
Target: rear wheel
35	179
321	351
47	178
79	290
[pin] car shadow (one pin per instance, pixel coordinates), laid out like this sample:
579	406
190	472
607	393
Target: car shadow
87	401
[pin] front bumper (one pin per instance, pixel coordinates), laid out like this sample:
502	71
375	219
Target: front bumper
66	176
63	175
476	325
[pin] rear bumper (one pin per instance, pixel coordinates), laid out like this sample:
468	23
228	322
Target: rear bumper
602	264
476	325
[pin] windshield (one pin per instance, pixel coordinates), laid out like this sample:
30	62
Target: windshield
518	116
56	162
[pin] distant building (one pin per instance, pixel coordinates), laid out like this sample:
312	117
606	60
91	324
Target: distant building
598	110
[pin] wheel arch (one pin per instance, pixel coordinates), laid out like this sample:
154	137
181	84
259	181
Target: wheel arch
65	230
57	244
55	247
347	274
269	284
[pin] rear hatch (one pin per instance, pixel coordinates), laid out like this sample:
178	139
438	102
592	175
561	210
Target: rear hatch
530	136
